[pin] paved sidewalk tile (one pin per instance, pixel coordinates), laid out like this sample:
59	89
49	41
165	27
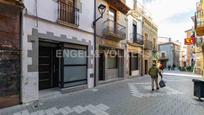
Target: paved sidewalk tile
128	97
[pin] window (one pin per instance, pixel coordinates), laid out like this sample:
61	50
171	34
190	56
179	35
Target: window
68	12
112	62
112	14
75	67
134	31
154	40
135	62
163	55
112	18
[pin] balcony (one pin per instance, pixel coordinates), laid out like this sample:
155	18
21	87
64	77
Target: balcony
137	38
120	5
199	23
148	45
114	31
68	14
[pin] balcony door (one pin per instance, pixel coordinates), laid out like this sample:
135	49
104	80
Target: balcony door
112	17
67	10
134	32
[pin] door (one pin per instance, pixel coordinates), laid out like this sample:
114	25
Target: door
101	67
10	55
146	66
48	67
67	10
9	77
70	11
130	64
112	18
134	33
141	58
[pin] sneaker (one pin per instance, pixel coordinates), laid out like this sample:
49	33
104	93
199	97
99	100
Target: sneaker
157	88
152	89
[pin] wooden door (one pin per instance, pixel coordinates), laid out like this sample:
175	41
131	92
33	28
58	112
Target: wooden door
71	10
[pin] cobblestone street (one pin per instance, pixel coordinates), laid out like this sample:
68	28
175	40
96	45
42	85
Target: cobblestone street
128	97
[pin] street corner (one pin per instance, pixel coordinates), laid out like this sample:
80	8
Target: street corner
144	90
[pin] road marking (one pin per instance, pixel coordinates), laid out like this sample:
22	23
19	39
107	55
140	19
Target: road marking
143	90
183	75
96	110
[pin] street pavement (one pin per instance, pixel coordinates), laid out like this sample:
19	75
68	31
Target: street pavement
127	97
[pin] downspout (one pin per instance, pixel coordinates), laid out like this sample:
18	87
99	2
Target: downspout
94	43
20	52
203	61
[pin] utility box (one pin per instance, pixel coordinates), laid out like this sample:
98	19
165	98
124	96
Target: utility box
198	88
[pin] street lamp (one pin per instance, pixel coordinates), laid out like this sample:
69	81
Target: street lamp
101	10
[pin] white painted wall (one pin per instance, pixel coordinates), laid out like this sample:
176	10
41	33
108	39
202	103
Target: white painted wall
131	20
47	9
130	3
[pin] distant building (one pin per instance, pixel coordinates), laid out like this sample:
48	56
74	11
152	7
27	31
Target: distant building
183	56
163	40
171	51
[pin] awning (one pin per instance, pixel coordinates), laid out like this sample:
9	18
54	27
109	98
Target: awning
121	6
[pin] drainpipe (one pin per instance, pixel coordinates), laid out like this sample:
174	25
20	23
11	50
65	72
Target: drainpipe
20	53
203	61
94	26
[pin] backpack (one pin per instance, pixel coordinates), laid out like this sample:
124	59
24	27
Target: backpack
153	72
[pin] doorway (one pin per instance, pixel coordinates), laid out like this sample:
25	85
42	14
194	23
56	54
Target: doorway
113	18
101	67
130	65
48	66
146	66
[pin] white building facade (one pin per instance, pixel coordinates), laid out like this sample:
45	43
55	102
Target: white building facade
52	28
135	38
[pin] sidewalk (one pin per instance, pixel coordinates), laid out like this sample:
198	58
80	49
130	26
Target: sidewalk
127	97
181	73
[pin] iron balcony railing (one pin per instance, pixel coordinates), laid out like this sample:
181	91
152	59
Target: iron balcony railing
137	38
199	19
114	30
148	45
68	13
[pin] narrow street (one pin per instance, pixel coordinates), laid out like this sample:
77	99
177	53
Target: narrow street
127	97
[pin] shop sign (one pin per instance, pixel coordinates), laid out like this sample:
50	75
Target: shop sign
189	41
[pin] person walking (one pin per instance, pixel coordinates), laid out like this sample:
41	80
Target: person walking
153	72
169	67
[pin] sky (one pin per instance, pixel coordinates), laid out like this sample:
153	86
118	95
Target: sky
172	17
